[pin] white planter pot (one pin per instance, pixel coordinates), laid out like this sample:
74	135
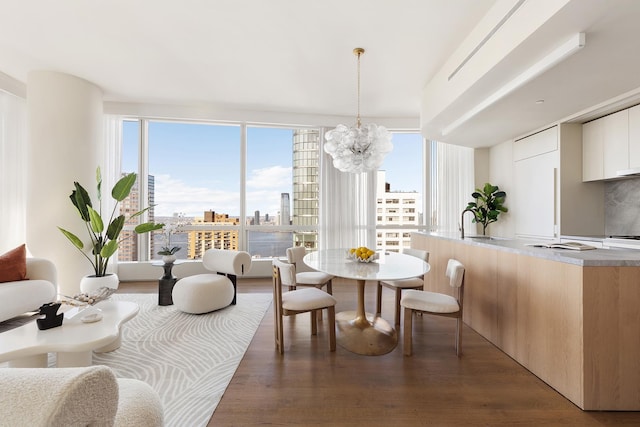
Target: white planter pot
90	284
168	259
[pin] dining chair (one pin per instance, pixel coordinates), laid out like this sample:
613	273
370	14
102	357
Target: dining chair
399	285
312	300
436	304
305	275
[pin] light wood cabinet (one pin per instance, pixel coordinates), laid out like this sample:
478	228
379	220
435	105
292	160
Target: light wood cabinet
634	137
575	327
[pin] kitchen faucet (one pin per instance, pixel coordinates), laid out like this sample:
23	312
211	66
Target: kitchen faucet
462	222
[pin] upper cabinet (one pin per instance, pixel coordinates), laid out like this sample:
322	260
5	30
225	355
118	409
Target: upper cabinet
607	145
616	143
592	149
634	137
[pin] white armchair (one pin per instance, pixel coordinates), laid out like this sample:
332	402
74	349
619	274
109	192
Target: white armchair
90	396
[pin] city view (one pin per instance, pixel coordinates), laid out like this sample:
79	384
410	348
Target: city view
193	173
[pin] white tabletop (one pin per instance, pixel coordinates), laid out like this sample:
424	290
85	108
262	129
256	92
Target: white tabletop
72	336
389	265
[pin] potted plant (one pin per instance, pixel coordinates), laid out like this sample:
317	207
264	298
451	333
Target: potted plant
104	240
168	251
488	205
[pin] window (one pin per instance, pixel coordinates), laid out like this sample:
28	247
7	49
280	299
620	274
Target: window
195	179
400	184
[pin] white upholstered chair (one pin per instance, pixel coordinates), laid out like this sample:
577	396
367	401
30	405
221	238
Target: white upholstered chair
399	285
298	301
202	293
88	396
305	275
437	304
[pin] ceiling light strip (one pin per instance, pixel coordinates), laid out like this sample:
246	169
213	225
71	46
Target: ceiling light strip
568	48
486	38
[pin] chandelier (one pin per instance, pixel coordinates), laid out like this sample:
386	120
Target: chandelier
361	148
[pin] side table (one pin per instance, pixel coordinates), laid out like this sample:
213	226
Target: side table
166	282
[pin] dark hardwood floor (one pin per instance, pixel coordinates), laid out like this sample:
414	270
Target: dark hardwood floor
309	385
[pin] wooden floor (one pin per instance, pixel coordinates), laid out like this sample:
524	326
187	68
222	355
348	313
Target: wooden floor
309	386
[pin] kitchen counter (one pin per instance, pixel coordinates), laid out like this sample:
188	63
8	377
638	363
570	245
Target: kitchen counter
569	317
590	258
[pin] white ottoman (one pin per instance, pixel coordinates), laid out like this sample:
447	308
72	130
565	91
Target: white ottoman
202	293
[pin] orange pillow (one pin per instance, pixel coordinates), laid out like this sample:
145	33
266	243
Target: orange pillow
13	265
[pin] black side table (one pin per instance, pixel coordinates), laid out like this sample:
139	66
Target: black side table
166	283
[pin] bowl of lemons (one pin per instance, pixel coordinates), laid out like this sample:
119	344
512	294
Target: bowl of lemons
362	254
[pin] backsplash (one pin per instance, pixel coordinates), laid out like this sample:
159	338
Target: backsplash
622	207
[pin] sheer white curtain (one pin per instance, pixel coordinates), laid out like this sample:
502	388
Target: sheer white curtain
111	166
13	161
452	182
347	207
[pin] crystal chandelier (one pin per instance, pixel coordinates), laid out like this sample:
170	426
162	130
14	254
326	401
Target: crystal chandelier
361	148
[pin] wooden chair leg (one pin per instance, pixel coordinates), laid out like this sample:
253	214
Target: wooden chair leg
398	308
279	333
408	328
314	322
319	311
329	288
331	314
379	300
459	336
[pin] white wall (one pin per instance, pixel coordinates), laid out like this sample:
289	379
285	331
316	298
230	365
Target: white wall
501	174
64	119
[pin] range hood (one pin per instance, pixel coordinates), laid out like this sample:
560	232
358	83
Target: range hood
629	172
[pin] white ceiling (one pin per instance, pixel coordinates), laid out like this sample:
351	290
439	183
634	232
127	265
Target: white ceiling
295	56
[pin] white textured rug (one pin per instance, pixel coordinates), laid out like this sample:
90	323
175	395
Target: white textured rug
189	359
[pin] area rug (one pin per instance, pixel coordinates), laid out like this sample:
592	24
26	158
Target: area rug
189	359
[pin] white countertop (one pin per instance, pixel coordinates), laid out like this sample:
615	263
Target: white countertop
590	258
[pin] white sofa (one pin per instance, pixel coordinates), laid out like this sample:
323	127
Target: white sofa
28	295
89	396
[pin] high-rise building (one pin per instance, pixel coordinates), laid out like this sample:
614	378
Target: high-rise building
285	209
256	218
394	208
306	190
128	247
200	241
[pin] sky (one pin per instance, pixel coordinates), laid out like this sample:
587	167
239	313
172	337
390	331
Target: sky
196	166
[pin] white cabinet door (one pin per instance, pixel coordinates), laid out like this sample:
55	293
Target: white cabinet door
534	198
616	143
634	137
592	150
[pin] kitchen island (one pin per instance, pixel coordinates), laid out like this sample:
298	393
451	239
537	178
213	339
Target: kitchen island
570	317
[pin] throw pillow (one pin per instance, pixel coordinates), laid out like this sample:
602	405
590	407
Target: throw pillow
13	265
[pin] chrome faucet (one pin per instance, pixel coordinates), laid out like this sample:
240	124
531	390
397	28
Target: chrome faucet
462	222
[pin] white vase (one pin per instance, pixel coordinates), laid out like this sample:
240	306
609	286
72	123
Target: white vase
90	284
168	259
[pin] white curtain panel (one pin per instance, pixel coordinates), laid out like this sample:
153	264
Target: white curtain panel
347	207
13	161
451	187
111	167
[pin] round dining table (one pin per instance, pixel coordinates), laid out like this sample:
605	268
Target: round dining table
358	331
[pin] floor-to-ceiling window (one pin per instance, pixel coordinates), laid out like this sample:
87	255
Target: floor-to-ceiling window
252	187
399	195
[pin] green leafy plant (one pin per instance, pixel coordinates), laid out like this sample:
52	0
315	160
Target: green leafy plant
487	206
104	241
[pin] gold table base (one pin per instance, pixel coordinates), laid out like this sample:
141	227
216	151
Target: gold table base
368	335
